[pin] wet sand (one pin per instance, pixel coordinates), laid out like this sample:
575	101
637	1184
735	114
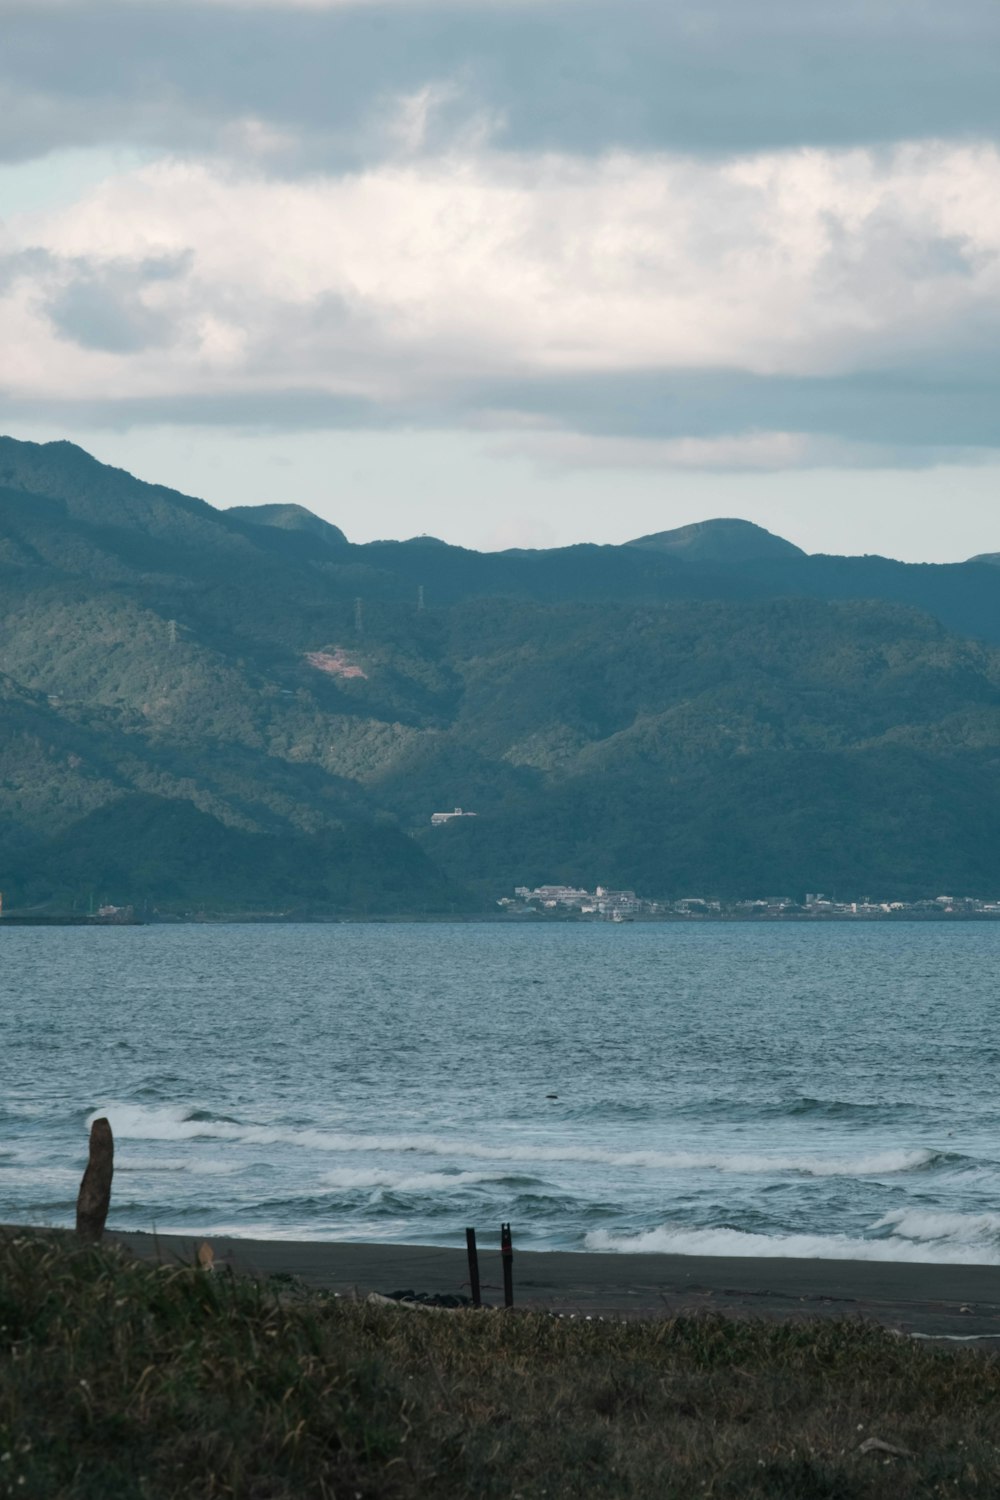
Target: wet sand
945	1301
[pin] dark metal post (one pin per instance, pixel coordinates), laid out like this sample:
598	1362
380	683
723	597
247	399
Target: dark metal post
470	1242
507	1256
95	1190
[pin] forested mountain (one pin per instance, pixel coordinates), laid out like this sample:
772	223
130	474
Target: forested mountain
721	541
196	711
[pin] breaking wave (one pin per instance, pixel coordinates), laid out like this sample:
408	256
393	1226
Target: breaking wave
929	1226
419	1182
206	1168
177	1123
930	1238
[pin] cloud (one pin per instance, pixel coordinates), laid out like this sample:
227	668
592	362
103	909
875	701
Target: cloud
739	452
685	234
113	306
407	284
570	76
627	420
777	311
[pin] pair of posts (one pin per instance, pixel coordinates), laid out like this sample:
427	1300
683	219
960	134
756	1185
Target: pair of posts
507	1258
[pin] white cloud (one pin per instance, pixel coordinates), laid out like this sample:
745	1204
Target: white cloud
748	452
408	282
741	451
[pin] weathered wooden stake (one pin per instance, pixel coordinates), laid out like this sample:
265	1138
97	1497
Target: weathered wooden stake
95	1190
470	1244
507	1256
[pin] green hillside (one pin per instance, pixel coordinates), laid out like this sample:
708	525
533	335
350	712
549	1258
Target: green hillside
164	855
729	542
728	749
190	716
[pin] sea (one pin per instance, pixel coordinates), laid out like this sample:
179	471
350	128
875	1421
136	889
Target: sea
697	1088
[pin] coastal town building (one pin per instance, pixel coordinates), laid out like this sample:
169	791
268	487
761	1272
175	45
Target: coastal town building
602	901
438	818
625	902
624	905
555	895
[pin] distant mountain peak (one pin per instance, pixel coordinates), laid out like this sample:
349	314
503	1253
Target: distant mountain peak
51	468
719	541
289	518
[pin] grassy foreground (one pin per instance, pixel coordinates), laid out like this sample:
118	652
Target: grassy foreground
121	1381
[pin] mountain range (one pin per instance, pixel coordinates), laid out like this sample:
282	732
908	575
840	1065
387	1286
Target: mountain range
243	710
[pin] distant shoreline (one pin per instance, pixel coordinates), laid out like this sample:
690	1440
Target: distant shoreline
293	919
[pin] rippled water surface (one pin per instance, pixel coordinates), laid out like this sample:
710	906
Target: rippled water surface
801	1090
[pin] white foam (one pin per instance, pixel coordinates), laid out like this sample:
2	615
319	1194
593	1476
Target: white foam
405	1182
203	1166
674	1240
388	1231
176	1123
929	1225
42	1176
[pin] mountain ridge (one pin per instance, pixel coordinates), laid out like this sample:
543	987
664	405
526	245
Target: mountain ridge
725	540
41	469
613	714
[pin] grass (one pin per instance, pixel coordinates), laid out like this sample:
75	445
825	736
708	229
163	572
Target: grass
123	1381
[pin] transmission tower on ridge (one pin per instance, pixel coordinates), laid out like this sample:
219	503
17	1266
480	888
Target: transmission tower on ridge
420	598
359	624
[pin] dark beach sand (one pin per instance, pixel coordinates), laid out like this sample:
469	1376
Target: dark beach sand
939	1301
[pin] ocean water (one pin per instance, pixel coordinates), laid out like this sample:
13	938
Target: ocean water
721	1089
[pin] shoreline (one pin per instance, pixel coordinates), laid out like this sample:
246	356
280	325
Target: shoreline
487	919
954	1302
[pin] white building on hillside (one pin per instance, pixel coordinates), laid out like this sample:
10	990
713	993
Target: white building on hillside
438	818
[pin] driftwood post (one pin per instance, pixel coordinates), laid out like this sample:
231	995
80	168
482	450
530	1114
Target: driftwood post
507	1255
470	1245
95	1190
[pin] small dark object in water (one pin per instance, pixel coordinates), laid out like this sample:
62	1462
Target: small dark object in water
552	1096
95	1190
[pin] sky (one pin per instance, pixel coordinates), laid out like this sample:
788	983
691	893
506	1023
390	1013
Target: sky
516	272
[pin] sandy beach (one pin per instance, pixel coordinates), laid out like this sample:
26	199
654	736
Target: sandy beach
937	1301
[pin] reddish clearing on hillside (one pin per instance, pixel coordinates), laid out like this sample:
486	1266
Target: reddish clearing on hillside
334	662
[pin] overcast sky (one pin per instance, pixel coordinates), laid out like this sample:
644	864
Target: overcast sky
516	272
